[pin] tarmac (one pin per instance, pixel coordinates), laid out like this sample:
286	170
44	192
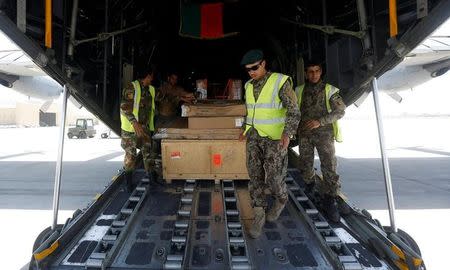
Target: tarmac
418	151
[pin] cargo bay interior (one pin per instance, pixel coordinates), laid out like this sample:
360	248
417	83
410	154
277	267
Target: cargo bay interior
95	44
98	46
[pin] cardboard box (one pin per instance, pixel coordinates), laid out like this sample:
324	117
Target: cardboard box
198	134
203	159
213	110
215	122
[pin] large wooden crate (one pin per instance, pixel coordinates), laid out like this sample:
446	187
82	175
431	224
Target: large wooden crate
203	159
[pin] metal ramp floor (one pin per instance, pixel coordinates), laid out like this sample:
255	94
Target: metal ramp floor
201	225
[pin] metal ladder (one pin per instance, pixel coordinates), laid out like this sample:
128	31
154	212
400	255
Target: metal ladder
237	251
175	258
320	224
106	249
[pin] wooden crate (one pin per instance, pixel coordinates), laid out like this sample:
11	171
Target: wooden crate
198	134
203	159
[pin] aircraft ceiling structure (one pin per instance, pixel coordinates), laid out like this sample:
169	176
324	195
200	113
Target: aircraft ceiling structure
354	39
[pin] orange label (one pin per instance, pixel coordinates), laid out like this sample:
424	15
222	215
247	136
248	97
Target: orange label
217	159
175	155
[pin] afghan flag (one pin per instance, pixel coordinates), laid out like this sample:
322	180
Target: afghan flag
202	21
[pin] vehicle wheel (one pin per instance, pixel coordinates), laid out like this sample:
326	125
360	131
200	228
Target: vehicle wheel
82	135
70	135
39	240
409	241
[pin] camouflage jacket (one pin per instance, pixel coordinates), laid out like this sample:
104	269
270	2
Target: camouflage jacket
288	99
145	105
168	98
313	107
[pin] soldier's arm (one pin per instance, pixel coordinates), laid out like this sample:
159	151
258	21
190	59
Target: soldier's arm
337	110
126	104
184	95
289	101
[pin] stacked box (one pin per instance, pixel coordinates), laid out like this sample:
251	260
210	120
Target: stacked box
209	148
214	115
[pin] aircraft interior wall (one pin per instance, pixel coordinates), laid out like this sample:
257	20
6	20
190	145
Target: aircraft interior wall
151	35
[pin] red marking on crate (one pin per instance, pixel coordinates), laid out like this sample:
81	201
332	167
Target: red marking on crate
217	160
175	154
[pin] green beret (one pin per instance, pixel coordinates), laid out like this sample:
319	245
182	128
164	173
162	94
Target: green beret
252	56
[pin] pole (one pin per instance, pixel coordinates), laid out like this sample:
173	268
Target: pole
385	161
105	57
57	188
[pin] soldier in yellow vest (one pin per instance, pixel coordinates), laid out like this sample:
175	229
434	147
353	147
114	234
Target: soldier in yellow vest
321	106
137	111
272	119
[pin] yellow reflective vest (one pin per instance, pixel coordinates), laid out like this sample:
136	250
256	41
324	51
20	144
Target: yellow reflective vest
330	90
126	125
266	114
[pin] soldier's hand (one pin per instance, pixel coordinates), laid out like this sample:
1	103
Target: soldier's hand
312	124
139	130
284	141
242	137
189	98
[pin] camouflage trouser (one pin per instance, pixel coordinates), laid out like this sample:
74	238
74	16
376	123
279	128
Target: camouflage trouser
130	143
324	143
267	168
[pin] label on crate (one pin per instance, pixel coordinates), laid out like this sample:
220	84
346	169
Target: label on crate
175	155
238	122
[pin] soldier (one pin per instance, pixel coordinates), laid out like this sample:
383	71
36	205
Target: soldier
168	98
320	106
272	118
137	110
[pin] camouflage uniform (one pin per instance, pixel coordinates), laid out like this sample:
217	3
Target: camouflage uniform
266	163
313	107
168	100
130	142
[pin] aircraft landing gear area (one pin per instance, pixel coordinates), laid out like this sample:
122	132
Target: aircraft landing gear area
197	224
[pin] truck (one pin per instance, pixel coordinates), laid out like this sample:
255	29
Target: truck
94	49
83	129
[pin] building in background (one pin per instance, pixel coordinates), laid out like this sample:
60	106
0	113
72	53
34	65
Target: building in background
18	110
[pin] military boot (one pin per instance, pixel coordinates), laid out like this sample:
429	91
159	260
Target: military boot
258	222
309	189
155	177
275	211
129	181
330	208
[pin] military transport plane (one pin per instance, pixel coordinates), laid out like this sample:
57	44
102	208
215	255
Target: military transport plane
429	60
94	47
20	73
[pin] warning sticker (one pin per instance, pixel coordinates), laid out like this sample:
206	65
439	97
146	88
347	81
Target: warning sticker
175	155
238	122
217	160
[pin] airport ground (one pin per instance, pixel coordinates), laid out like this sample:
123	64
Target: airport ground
418	149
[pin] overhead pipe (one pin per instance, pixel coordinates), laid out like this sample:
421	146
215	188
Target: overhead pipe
367	44
73	28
